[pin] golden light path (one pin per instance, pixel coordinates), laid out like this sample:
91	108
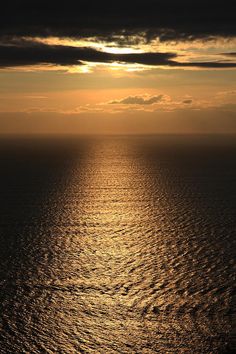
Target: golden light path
122	283
109	239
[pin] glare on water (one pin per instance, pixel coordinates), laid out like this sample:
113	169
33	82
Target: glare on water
118	250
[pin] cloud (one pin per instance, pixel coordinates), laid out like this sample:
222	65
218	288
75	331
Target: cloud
175	20
206	65
232	54
29	52
187	101
32	53
139	100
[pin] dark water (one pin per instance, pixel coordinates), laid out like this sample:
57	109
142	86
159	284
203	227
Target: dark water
117	245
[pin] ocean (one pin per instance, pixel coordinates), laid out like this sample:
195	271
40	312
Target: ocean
117	244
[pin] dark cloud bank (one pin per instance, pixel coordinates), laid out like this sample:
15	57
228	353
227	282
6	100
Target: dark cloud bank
181	19
32	53
124	21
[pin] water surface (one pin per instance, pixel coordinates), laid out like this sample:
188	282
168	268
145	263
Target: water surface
117	245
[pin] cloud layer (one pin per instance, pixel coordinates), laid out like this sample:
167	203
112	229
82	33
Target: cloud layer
25	52
117	24
105	19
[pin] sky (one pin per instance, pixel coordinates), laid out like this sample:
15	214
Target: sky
124	67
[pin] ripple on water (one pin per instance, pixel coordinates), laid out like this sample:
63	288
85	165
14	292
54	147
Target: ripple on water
117	246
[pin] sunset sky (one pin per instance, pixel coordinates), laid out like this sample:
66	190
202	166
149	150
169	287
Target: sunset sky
118	67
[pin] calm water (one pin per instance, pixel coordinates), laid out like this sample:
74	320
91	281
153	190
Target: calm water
117	245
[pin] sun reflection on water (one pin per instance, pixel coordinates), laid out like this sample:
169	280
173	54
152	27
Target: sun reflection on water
122	261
